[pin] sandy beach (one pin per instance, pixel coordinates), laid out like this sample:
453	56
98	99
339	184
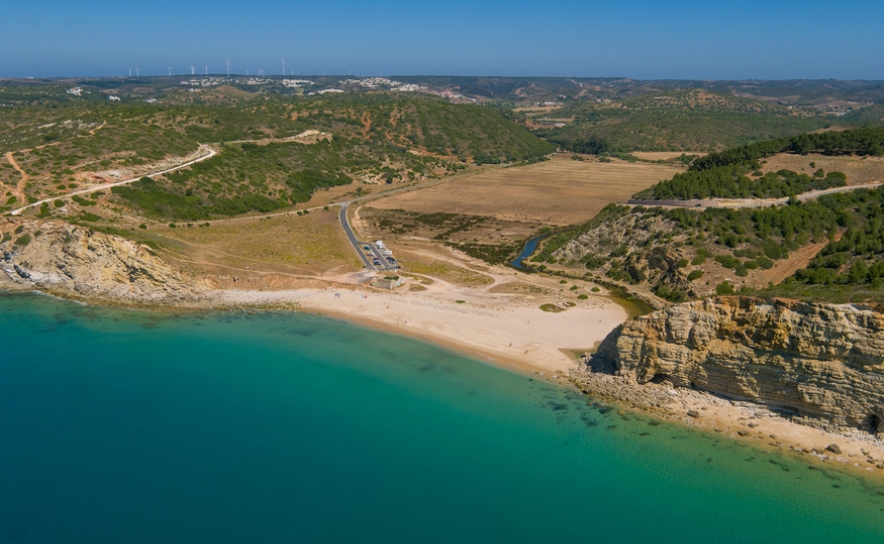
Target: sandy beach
501	328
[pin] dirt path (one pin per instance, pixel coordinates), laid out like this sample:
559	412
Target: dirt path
747	202
796	261
366	123
20	187
210	153
101	126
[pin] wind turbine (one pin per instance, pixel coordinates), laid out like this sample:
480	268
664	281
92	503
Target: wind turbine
228	67
284	65
192	69
130	71
136	71
170	70
207	69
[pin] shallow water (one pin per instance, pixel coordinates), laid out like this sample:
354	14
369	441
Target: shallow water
124	426
528	250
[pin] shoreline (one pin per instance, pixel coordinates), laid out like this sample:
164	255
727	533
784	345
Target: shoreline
747	422
744	422
495	329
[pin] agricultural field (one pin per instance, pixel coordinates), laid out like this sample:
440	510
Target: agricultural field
490	215
859	170
553	193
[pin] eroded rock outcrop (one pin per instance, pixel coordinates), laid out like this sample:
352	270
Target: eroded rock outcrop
819	361
68	258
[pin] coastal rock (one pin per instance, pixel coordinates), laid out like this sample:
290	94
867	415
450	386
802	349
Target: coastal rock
80	261
821	363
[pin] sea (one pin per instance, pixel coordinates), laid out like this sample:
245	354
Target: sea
125	426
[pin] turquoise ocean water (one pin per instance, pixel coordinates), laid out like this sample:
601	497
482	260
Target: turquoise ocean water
123	426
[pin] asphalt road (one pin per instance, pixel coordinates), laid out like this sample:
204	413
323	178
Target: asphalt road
357	245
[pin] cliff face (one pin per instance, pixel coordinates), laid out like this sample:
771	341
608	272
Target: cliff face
62	257
822	361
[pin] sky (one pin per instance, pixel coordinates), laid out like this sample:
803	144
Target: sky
678	39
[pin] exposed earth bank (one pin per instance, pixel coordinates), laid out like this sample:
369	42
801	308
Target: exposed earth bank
79	262
747	365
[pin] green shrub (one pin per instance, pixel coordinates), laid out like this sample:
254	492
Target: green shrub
695	275
670	294
22	240
728	262
724	288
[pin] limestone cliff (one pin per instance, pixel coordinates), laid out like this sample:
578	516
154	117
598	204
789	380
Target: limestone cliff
76	260
818	361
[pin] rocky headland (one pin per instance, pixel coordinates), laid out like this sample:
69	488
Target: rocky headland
820	365
79	262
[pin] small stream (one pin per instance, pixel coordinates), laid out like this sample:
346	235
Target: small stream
529	248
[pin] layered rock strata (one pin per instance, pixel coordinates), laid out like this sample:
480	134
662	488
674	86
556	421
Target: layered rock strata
823	363
75	260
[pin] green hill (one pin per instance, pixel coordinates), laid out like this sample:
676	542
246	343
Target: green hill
687	120
836	241
372	137
734	173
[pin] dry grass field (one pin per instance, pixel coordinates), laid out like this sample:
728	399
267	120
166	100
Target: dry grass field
436	262
859	170
305	245
557	192
662	155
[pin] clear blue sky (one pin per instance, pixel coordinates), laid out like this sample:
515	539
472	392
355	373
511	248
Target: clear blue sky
708	39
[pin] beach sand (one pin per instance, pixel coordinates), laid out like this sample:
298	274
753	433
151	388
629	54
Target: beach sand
503	328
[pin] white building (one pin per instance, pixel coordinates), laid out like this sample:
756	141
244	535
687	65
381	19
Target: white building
380	245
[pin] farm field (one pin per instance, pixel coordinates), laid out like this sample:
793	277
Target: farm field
859	170
661	155
555	193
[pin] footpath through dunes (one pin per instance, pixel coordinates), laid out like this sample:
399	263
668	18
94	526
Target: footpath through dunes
557	192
